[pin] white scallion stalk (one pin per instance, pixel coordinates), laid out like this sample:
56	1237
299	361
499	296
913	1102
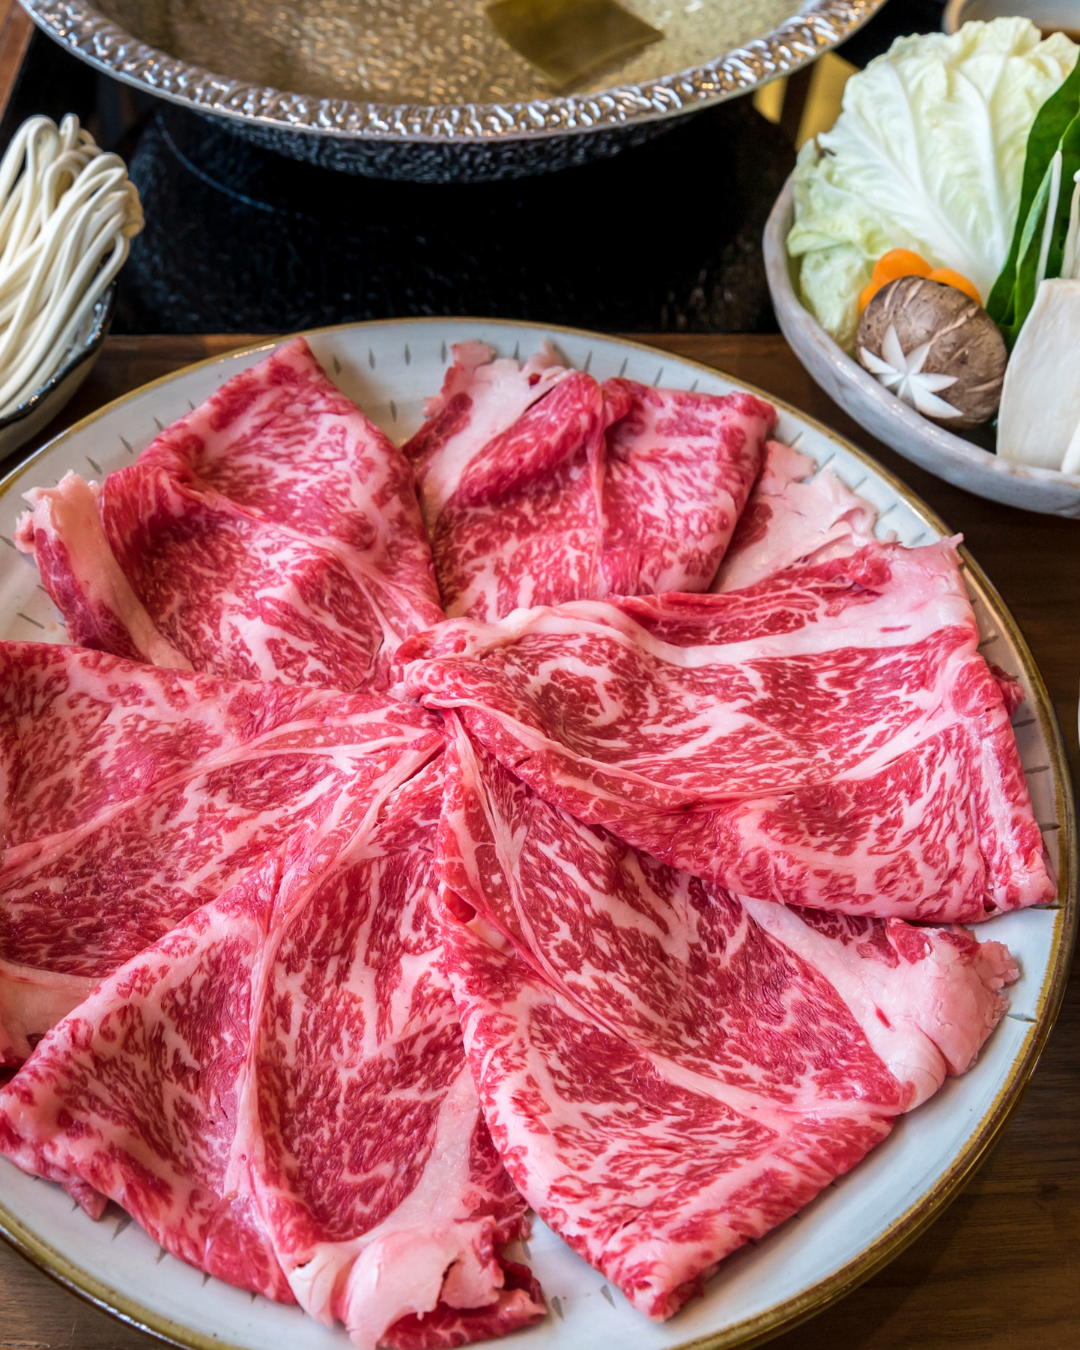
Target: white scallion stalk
1070	259
1040	398
68	212
1051	214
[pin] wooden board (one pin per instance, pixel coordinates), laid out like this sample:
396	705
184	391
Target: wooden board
1000	1270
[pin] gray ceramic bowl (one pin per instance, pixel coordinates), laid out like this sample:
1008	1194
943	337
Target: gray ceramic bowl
885	416
43	405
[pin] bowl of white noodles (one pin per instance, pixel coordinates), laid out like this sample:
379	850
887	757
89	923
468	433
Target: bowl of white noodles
68	213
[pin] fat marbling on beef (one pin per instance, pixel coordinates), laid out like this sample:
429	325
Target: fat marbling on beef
271	1075
830	737
669	1070
797	513
678	468
134	795
538	485
508	468
277	1091
271	534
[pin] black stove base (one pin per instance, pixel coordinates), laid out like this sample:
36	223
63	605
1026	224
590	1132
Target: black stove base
661	237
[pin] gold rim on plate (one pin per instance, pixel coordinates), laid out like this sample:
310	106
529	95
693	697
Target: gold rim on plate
922	1213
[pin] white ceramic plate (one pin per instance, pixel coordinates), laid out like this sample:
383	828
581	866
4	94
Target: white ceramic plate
887	417
859	1222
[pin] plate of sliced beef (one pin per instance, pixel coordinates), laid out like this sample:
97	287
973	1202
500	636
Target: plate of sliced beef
509	836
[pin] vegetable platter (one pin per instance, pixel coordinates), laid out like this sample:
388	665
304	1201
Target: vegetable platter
924	258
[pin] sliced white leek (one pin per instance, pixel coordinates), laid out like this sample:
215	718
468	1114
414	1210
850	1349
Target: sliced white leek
1071	256
67	214
1051	217
1040	399
1071	462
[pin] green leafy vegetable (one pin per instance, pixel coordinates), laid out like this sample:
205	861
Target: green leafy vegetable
1042	222
928	154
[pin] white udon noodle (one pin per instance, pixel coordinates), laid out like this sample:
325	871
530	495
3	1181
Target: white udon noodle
68	212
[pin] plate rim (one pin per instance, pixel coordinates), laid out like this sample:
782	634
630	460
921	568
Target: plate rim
926	1208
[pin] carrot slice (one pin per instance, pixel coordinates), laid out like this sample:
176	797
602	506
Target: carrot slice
891	266
948	277
899	262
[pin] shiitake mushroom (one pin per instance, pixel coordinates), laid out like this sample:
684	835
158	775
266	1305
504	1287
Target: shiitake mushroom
945	355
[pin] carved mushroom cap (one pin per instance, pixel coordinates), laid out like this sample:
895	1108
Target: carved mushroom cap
936	349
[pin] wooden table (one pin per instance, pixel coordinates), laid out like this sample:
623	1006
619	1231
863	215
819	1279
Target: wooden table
1000	1270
